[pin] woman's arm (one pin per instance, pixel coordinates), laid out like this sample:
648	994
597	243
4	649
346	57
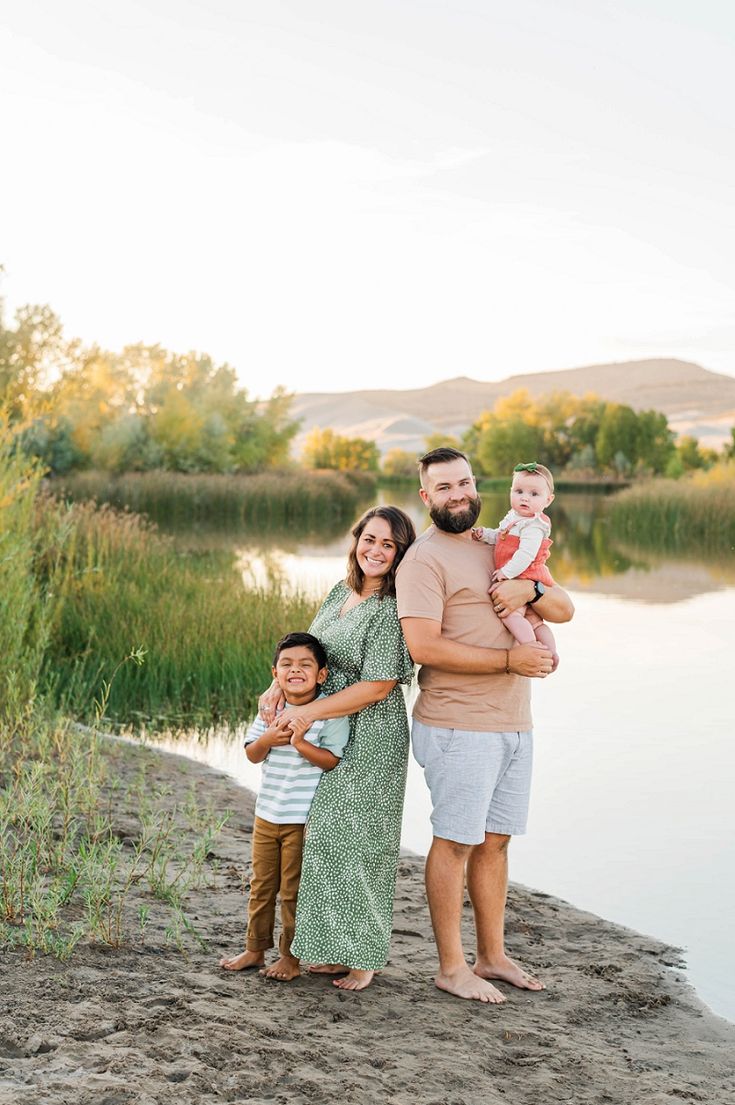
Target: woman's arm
349	701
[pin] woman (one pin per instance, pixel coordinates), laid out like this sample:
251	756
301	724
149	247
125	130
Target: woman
345	902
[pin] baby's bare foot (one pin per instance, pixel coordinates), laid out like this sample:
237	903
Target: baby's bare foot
285	969
245	961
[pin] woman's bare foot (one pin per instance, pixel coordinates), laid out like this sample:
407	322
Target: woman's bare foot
328	969
506	970
355	980
285	969
464	983
245	961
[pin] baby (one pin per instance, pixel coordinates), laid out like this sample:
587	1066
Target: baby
522	542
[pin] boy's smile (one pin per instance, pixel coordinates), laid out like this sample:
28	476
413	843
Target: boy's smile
298	674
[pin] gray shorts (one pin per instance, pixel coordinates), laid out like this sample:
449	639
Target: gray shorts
479	782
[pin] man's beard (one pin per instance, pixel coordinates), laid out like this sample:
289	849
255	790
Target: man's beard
457	521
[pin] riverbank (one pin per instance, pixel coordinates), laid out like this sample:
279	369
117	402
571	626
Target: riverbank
149	1025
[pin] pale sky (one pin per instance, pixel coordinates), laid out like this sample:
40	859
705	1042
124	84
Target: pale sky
334	195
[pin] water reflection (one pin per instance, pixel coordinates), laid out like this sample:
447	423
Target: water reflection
586	554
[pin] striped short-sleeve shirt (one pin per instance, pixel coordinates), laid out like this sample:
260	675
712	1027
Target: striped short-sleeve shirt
289	781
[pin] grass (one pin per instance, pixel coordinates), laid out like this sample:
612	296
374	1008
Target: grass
693	513
269	500
206	639
66	871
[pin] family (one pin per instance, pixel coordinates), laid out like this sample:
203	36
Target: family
470	607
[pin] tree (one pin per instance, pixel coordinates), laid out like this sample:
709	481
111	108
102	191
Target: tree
326	449
616	440
654	442
29	350
440	440
400	463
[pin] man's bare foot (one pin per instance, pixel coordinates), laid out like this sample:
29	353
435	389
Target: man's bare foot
285	969
355	980
506	970
245	961
464	983
328	969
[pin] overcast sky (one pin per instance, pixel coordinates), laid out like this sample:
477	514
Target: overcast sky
332	195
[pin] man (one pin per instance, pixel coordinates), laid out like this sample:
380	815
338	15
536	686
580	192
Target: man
472	723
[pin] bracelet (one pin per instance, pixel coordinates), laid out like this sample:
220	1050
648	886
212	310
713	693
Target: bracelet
507	662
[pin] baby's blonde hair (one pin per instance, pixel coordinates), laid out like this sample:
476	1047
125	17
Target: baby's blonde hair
536	469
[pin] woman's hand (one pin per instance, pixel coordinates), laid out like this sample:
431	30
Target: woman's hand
270	702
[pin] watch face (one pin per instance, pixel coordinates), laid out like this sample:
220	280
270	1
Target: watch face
539	590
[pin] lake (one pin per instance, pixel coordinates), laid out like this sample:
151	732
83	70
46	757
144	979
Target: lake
631	810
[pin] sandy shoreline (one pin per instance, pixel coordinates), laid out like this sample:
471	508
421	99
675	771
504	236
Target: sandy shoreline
148	1025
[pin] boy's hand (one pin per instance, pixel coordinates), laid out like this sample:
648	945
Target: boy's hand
279	732
477	533
499	575
299	727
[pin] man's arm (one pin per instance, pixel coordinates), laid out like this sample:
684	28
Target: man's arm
554	606
427	646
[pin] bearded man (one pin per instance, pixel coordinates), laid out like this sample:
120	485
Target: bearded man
472	723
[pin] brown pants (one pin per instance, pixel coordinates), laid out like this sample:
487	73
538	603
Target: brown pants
276	872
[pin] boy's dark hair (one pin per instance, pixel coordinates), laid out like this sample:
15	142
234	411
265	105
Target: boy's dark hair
305	640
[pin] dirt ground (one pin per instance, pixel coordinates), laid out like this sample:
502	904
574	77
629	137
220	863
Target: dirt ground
148	1025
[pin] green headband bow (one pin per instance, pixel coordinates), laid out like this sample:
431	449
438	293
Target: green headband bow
532	467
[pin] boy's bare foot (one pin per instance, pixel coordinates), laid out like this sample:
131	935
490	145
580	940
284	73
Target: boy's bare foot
245	961
285	969
328	969
506	970
464	983
355	980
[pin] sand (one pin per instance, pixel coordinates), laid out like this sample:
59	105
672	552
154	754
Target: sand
148	1025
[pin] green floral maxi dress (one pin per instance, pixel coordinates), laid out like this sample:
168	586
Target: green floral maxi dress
345	905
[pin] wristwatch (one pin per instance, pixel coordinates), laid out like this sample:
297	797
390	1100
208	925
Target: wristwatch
538	591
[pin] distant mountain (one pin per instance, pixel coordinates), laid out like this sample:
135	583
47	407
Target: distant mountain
695	400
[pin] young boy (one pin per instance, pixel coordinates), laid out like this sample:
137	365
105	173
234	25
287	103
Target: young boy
293	759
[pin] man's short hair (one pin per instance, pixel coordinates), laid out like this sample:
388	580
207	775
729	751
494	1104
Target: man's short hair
445	454
302	640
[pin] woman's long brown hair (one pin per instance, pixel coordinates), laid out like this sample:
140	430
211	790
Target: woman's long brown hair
402	533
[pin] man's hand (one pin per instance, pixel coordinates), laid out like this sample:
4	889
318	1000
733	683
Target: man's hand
511	595
533	661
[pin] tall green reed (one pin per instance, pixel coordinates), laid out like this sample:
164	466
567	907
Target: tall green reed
693	513
269	499
207	639
28	576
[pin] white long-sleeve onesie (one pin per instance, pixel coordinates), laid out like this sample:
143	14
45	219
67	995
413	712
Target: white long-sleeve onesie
530	532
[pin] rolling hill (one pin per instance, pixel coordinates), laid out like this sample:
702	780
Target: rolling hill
695	400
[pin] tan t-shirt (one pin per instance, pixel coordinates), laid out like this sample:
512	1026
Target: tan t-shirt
445	578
